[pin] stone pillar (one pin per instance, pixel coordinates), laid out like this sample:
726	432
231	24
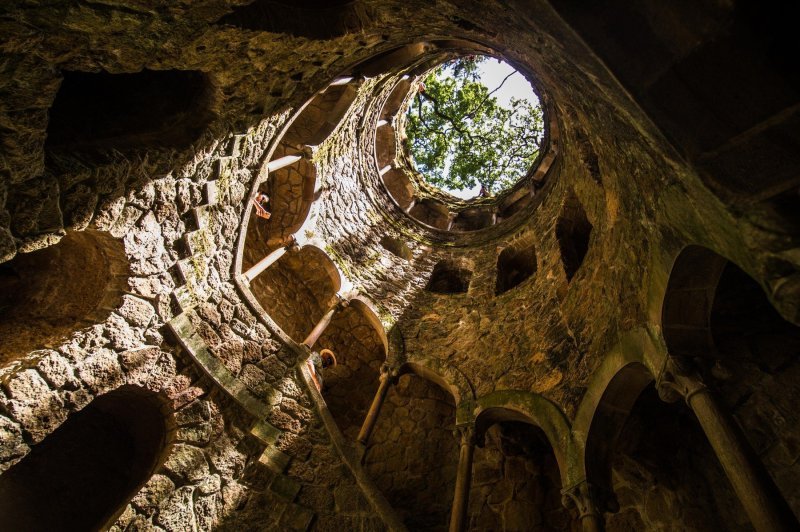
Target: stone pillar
458	515
323	323
763	502
271	259
387	378
582	498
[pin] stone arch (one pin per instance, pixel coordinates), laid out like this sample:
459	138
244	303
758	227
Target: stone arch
311	19
143	110
49	293
637	349
88	469
573	231
686	308
432	213
517	478
320	116
291	191
532	408
298	289
413	453
359	342
444	375
619	396
721	319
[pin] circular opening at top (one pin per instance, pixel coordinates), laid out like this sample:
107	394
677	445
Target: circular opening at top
474	127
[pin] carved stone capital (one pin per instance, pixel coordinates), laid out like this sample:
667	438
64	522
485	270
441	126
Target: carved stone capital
679	380
584	498
466	433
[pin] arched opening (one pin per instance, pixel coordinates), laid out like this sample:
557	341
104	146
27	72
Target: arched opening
609	418
516	483
297	290
450	277
514	265
432	213
81	476
147	109
399	186
573	230
413	454
291	189
473	219
321	116
311	19
350	386
47	294
396	247
720	317
665	474
291	192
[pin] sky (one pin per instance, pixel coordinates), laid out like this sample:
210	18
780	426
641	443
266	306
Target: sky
491	72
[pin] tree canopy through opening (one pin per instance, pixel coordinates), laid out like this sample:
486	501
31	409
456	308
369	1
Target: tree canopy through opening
463	138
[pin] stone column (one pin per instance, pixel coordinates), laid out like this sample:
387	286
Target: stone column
323	323
271	259
387	378
582	497
763	502
458	515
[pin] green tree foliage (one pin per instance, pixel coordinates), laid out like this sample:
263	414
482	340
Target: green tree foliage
460	136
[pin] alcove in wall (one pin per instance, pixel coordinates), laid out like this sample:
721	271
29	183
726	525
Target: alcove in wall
516	481
147	109
356	337
47	294
311	19
450	277
717	315
413	454
665	473
396	247
297	290
81	476
573	231
514	265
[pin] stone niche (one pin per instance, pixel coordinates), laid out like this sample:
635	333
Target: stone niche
81	475
413	453
142	110
450	277
47	294
514	265
573	231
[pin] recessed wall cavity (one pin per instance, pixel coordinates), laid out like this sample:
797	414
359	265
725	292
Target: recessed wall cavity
432	213
47	294
514	265
573	230
396	247
516	482
81	476
311	19
147	109
297	290
350	386
413	453
720	317
663	455
450	277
